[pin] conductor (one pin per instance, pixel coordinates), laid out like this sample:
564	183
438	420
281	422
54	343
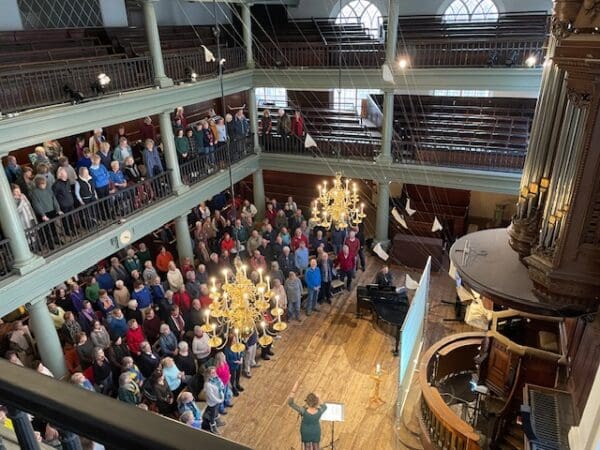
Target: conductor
384	278
310	428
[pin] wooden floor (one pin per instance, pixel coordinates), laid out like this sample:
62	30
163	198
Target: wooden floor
332	353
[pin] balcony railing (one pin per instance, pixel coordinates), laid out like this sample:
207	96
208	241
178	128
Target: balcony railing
6	259
472	52
47	238
441	427
319	55
112	423
403	152
199	168
31	88
179	63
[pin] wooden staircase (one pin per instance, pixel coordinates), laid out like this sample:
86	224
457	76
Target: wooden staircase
512	439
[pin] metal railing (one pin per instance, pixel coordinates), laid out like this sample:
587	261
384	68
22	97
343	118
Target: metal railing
110	422
403	152
472	53
6	259
47	238
35	87
179	63
448	155
320	55
200	167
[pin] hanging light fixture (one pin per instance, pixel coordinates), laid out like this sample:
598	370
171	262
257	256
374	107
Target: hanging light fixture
338	205
238	307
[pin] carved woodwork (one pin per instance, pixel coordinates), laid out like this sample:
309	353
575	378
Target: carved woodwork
524	234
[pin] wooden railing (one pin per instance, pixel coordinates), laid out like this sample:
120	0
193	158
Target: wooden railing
441	427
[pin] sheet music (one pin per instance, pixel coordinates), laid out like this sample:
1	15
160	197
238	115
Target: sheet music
334	412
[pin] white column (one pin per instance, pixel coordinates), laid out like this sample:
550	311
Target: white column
247	26
258	189
168	142
253	117
24	260
46	338
184	240
385	157
160	78
383	212
586	436
391	38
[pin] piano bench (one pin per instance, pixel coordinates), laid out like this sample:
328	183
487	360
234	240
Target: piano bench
337	286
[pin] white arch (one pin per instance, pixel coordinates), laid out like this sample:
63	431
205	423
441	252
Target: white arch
471	11
360	11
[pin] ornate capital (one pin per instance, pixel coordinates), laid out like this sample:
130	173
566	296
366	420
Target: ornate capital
560	28
579	98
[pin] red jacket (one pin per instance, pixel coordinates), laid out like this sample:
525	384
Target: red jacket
298	126
134	340
353	246
296	241
183	301
345	263
227	244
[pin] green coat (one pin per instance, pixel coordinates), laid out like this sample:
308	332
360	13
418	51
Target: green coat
310	428
182	145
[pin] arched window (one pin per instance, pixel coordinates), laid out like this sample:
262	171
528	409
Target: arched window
471	11
361	11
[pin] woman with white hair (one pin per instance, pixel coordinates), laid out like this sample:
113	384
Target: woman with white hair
167	341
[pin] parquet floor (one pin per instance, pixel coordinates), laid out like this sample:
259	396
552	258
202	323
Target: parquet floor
332	353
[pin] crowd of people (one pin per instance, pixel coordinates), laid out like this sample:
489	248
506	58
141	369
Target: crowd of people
131	327
56	182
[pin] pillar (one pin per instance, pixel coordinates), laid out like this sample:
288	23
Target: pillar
586	435
391	38
253	117
24	260
46	338
184	240
385	157
23	429
160	78
247	26
258	188
168	142
383	211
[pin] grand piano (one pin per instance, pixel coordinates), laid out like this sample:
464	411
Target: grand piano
384	304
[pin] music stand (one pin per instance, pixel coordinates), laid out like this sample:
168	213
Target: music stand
335	412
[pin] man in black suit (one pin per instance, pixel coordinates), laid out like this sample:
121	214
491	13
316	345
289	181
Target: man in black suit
326	268
384	277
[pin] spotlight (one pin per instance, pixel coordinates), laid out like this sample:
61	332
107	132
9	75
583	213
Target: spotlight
531	61
100	84
74	96
403	63
190	74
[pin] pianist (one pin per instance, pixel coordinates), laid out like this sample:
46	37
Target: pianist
384	278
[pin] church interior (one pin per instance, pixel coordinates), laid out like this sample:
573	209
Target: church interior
300	224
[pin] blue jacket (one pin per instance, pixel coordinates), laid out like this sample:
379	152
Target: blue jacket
117	327
301	258
143	297
117	177
152	162
240	127
99	175
231	357
312	277
105	281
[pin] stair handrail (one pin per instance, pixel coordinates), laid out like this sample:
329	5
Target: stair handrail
499	425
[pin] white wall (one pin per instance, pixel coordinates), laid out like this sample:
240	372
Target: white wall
114	13
181	12
483	204
323	8
10	18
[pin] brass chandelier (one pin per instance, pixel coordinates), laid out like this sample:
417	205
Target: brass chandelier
238	306
338	205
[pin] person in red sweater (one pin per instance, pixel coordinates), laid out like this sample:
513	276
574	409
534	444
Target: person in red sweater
297	124
271	214
205	299
135	337
345	264
299	237
353	243
227	244
182	299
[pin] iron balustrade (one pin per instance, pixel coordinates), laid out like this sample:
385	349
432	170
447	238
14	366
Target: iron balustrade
370	54
200	166
47	238
76	411
326	147
472	52
484	158
36	87
178	63
6	259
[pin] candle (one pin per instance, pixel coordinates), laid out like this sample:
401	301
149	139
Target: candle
268	283
260	274
378	369
236	332
207	314
263	324
244	269
214	329
214	282
277	301
225	275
